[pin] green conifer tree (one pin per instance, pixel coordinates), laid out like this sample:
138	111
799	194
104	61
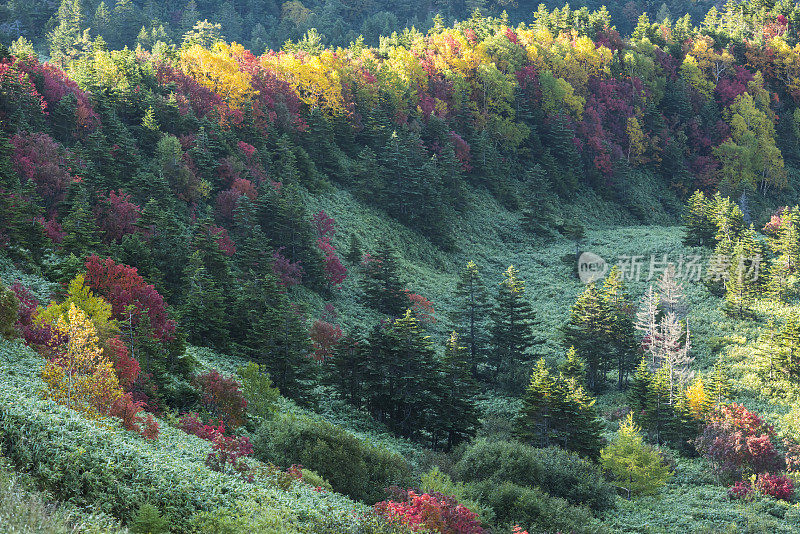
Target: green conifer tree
512	329
472	314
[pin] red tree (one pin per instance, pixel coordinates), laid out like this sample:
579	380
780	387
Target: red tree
122	286
117	216
41	159
222	397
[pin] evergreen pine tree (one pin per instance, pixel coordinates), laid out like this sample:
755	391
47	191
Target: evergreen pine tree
719	384
620	325
638	392
471	315
558	411
786	247
587	331
82	236
354	251
512	328
9	305
457	413
700	227
381	284
573	367
203	314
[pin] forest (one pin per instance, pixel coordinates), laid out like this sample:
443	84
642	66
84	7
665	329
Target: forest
454	267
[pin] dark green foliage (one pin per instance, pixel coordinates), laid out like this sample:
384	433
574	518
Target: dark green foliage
600	329
535	510
512	332
148	520
8	312
272	331
472	315
664	420
383	289
404	387
203	314
82	236
457	413
557	472
351	466
700	226
557	411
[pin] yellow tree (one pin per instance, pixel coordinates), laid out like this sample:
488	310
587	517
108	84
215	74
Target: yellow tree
80	376
94	307
636	141
218	70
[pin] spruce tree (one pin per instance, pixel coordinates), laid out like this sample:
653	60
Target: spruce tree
620	325
558	411
403	387
203	314
786	247
9	306
638	392
739	290
457	414
700	227
472	314
587	331
347	369
354	251
82	236
719	384
381	284
512	328
573	367
789	347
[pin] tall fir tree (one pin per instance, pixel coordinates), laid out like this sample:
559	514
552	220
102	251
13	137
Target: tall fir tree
512	332
382	287
618	310
558	411
457	413
472	314
587	331
700	227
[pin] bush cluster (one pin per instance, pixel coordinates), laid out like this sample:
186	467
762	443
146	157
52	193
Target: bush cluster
352	467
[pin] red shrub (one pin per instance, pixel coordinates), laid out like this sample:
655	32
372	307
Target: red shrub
778	486
127	368
128	410
41	159
191	424
741	490
151	428
117	216
229	453
421	307
289	273
737	440
223	398
430	511
324	336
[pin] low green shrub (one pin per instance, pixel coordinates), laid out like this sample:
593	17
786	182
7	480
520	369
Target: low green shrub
557	472
104	467
148	520
314	480
533	509
353	467
24	509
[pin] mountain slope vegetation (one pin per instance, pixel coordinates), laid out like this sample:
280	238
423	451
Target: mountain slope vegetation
339	287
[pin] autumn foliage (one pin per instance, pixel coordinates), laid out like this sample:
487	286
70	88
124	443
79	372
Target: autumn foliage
79	376
433	512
